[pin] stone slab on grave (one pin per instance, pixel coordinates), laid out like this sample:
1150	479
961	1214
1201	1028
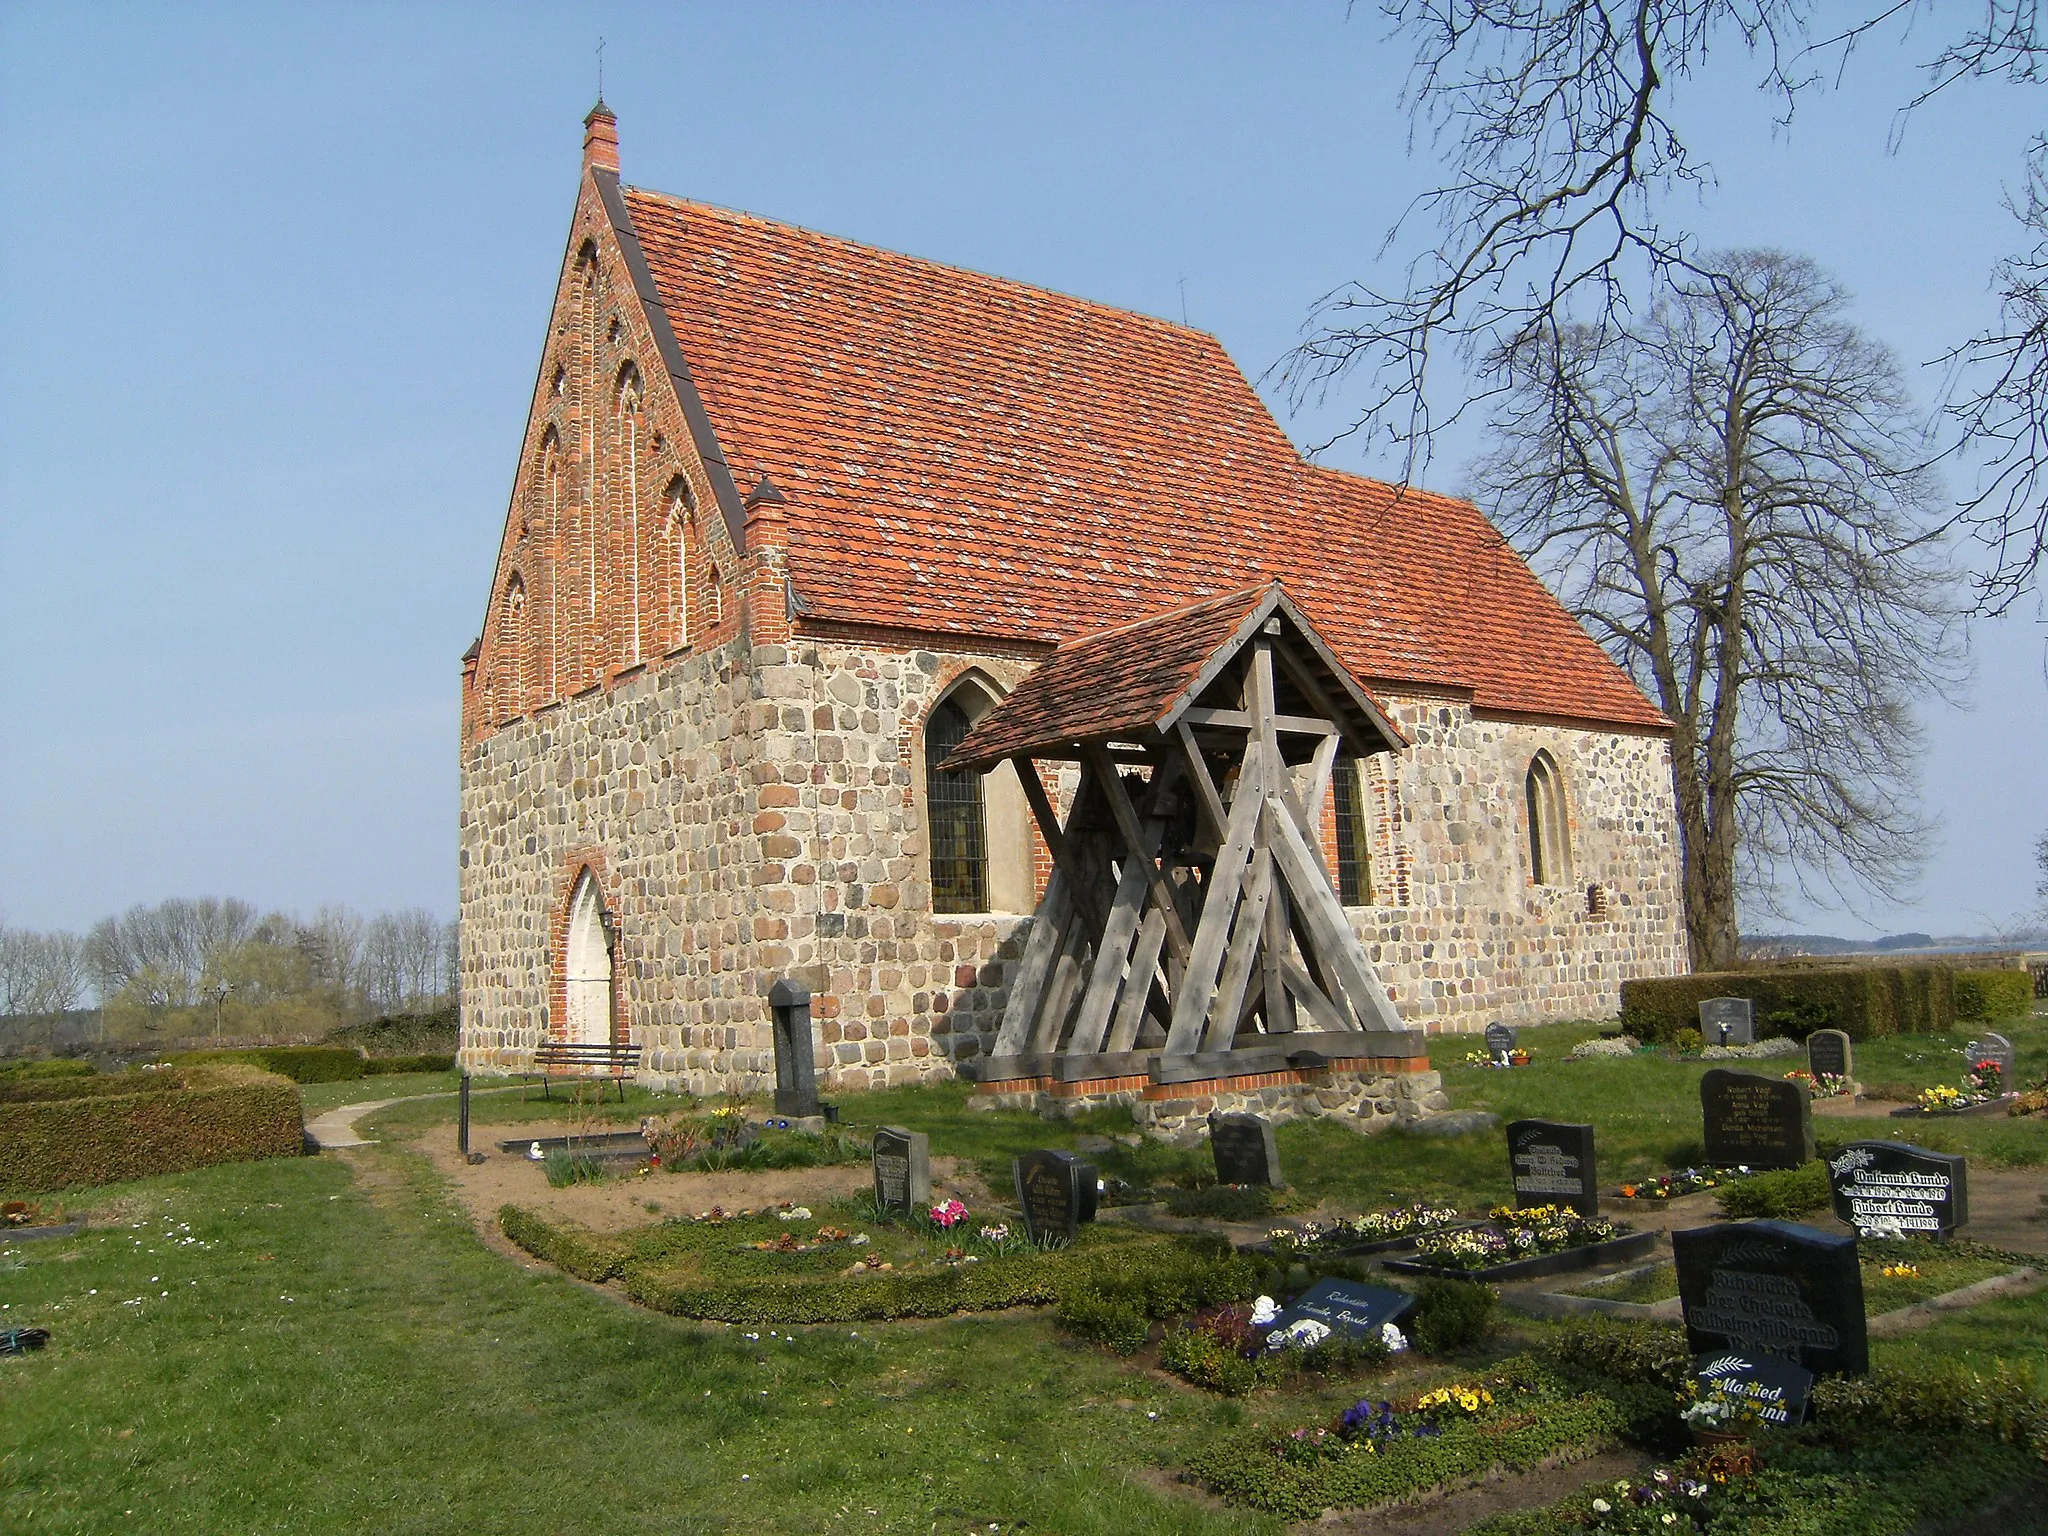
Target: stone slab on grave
1879	1184
903	1171
1056	1192
1551	1163
1501	1040
1993	1047
1728	1021
1348	1307
1829	1053
1245	1150
1775	1390
1755	1121
1773	1287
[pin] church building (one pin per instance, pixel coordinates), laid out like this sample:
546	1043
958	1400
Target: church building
795	518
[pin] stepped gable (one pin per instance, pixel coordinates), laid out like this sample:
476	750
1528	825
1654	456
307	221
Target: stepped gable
973	456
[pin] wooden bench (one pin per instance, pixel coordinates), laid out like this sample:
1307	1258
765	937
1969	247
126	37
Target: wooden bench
569	1058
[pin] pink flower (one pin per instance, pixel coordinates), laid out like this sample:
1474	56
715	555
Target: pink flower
949	1214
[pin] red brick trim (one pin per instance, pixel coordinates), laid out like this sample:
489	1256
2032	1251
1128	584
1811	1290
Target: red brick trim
570	869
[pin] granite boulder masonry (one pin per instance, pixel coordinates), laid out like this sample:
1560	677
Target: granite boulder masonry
1753	1121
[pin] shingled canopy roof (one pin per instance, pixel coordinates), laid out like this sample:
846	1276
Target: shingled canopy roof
965	455
1136	682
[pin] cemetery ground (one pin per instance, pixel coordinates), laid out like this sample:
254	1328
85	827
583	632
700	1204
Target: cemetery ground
348	1343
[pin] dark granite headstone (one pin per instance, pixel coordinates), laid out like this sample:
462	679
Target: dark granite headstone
1552	1164
1728	1021
1773	1287
1500	1040
1347	1307
1993	1047
1763	1122
1056	1191
903	1170
1829	1053
1924	1193
1775	1389
1245	1150
796	1073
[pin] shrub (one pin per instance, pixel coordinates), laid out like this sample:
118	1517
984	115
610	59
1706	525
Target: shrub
404	1034
127	1126
1688	1042
1865	1001
2007	1405
27	1069
1784	1193
375	1066
1451	1315
300	1063
579	1252
1211	1350
1986	995
1115	1319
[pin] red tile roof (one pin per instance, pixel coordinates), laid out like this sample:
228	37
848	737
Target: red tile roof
969	455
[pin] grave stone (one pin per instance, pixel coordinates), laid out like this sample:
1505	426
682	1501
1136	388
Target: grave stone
1500	1040
1829	1053
1728	1021
1348	1307
1775	1389
903	1170
1761	1122
1056	1191
796	1073
1245	1151
1775	1288
1993	1047
1552	1164
1924	1193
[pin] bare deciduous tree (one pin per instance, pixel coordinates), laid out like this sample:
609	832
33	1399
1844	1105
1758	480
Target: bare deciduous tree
1562	151
40	973
1729	494
404	960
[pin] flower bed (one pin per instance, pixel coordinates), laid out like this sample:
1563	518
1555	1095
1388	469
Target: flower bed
1234	1349
1374	1453
1660	1187
1355	1236
1513	1244
1519	1057
1822	1085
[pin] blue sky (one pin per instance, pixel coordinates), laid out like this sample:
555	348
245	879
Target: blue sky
273	281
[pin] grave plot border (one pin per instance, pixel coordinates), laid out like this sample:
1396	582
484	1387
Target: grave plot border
1589	1256
1366	1250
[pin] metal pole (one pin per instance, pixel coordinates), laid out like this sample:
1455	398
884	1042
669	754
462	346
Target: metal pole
462	1132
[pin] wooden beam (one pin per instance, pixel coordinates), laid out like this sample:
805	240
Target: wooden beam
1241	959
1239	720
1091	1024
1139	982
1315	902
1299	674
1272	952
1059	994
1112	784
1081	882
1205	787
1328	1015
1027	989
1219	905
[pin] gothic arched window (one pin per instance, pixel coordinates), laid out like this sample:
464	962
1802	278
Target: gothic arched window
1354	834
588	967
1550	853
958	819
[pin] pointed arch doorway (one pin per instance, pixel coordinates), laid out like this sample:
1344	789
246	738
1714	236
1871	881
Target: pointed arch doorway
588	967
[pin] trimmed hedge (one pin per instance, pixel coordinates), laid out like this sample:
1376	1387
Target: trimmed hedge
1865	1001
1785	1193
27	1068
376	1066
300	1063
401	1034
135	1124
1988	995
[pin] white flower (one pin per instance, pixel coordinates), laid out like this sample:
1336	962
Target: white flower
796	1213
1669	1518
1263	1311
1305	1333
1601	1506
1393	1338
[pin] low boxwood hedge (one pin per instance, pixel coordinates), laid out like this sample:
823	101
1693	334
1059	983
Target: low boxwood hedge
375	1066
1783	1193
300	1063
1865	1001
133	1124
1987	995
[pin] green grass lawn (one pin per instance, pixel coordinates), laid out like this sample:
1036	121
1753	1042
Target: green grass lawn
318	1098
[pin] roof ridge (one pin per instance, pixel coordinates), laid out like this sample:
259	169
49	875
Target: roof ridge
977	273
1200	604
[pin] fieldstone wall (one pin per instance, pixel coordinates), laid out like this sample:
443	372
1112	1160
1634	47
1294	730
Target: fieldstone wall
756	812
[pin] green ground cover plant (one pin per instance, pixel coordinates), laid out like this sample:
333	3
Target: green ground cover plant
1937	1269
